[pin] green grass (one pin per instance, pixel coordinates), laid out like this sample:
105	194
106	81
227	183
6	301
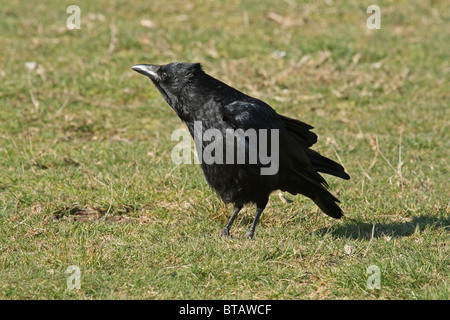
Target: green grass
86	177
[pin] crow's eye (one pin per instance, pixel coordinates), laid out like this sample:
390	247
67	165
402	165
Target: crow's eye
164	76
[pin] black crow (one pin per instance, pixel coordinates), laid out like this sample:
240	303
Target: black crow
198	98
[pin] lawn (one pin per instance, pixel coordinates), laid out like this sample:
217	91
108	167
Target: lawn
86	177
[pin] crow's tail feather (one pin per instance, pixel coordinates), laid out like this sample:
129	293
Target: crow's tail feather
319	194
327	203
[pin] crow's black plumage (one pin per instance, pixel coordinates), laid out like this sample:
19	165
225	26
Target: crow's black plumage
196	96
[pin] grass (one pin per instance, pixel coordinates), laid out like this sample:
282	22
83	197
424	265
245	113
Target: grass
86	177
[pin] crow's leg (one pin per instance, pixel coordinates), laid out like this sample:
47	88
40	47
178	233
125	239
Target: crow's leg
260	208
226	231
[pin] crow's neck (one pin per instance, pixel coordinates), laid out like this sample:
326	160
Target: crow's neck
202	94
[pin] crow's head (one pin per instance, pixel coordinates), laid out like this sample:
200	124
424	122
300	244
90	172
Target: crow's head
169	79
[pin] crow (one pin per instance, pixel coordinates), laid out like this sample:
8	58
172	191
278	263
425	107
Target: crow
197	97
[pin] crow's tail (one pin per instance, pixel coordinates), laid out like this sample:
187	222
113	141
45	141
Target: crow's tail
318	193
327	203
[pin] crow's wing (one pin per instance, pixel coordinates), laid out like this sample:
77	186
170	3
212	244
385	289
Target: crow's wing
250	115
300	131
257	115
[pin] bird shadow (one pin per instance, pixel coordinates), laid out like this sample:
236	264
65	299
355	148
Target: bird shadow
357	230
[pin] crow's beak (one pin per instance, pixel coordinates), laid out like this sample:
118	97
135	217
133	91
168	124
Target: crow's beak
148	70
